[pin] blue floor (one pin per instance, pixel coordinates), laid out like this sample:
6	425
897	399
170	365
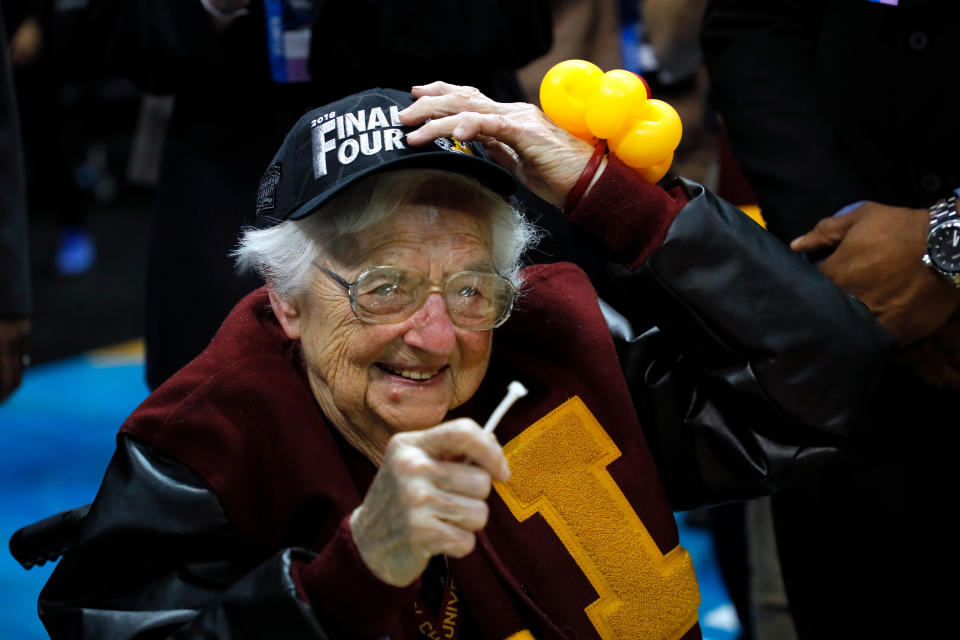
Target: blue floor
57	435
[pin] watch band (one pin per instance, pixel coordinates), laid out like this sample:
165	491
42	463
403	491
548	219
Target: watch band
943	210
941	213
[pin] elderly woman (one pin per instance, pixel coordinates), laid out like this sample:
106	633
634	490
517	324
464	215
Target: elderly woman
319	471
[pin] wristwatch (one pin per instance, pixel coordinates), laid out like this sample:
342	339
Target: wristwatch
943	241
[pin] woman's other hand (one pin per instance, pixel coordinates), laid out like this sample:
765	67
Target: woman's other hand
428	498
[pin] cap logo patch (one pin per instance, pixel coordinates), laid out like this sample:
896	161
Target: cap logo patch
267	193
366	132
452	144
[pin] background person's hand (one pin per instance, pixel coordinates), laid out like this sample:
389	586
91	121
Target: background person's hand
428	498
224	12
26	43
13	350
518	136
878	259
229	6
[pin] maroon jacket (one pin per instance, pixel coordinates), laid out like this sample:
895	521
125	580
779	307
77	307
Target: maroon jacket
246	534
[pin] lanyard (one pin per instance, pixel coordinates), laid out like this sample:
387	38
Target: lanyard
447	627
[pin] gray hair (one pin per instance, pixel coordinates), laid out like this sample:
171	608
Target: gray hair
282	254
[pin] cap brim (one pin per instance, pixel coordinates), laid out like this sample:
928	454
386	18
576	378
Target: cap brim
490	175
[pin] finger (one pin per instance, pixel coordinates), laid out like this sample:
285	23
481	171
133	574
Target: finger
939	375
459	100
404	458
455	542
438	88
833	267
451	491
466	126
426	506
463	479
502	155
926	374
827	233
464	437
469	514
430	535
950	375
451	475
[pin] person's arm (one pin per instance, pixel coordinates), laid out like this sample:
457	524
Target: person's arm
157	557
877	257
756	369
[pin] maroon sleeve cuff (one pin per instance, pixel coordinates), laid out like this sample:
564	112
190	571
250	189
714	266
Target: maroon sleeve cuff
345	595
630	214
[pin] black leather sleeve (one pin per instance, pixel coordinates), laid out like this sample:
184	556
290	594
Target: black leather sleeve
156	558
757	368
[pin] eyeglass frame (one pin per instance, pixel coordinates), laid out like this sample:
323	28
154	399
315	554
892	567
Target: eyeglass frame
351	289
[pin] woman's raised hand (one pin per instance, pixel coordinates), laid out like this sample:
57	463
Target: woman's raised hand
518	136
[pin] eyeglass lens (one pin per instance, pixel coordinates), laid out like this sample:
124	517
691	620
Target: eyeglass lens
474	300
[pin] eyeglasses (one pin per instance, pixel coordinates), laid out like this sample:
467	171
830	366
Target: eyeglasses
384	295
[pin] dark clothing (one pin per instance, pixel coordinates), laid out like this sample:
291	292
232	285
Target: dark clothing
228	119
225	508
833	101
829	103
14	261
358	44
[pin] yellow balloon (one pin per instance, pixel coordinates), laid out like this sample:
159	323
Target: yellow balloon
564	92
618	94
654	173
614	106
651	133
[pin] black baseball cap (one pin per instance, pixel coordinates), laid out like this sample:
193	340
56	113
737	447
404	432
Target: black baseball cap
331	147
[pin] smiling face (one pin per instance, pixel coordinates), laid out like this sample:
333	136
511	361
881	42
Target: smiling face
373	380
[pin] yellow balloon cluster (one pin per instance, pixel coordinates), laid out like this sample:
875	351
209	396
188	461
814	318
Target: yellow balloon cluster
613	106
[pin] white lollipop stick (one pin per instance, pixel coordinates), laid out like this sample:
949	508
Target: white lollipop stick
514	392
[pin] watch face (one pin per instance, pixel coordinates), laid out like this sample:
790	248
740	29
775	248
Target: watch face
944	247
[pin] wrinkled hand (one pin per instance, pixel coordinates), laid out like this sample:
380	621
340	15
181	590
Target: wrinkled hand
878	259
428	498
936	358
518	136
13	349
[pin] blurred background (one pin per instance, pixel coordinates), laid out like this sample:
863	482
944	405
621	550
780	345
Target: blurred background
128	150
